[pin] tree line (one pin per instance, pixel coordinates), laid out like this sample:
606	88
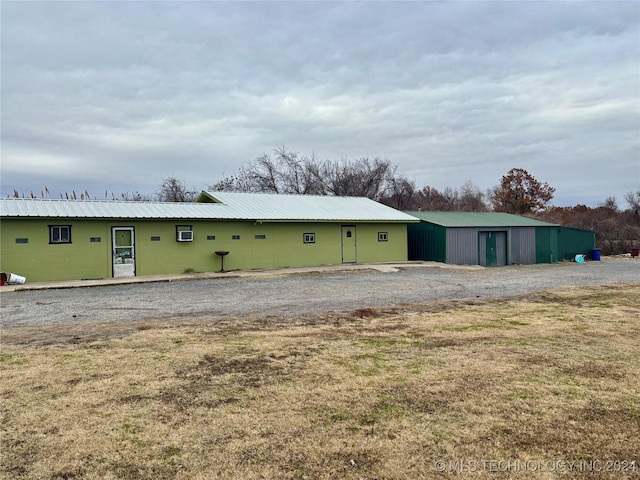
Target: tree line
282	171
518	192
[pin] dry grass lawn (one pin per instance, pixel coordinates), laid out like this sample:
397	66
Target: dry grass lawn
542	380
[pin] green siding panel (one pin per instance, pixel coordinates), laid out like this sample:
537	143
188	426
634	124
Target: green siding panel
547	245
370	250
572	241
40	260
427	242
555	244
282	246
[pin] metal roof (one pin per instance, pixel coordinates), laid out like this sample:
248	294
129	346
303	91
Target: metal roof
306	207
478	219
231	206
18	207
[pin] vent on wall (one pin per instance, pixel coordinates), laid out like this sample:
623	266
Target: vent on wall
185	236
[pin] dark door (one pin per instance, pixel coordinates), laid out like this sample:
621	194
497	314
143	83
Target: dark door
492	248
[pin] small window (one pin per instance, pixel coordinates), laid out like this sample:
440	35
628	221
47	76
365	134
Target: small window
155	238
22	240
235	237
309	238
59	233
383	236
211	237
95	240
260	237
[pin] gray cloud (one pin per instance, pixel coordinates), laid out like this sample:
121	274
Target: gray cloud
116	95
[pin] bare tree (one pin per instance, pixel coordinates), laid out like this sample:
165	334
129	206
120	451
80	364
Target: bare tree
471	198
134	197
239	182
633	199
283	171
174	190
610	203
297	174
401	193
431	199
467	198
280	171
359	178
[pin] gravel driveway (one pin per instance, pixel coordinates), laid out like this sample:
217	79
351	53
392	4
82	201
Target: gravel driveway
296	295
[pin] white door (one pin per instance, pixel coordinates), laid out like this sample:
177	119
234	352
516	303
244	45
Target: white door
124	252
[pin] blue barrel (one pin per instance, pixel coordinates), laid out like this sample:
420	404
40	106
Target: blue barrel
595	255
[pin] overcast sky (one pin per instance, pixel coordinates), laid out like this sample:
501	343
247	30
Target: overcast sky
115	96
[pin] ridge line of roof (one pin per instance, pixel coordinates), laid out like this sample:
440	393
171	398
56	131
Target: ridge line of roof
454	219
304	195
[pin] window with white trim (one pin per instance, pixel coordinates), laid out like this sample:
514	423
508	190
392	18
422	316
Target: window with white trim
59	233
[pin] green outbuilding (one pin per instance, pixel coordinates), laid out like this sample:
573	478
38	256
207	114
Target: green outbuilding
493	239
45	240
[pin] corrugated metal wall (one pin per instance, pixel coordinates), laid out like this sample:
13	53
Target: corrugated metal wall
523	245
462	246
547	245
517	245
427	242
572	241
482	248
501	248
496	238
555	244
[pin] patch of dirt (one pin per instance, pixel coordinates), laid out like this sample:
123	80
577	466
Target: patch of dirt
230	377
594	370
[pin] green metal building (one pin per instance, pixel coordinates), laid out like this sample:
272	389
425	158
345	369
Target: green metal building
46	240
566	241
493	239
